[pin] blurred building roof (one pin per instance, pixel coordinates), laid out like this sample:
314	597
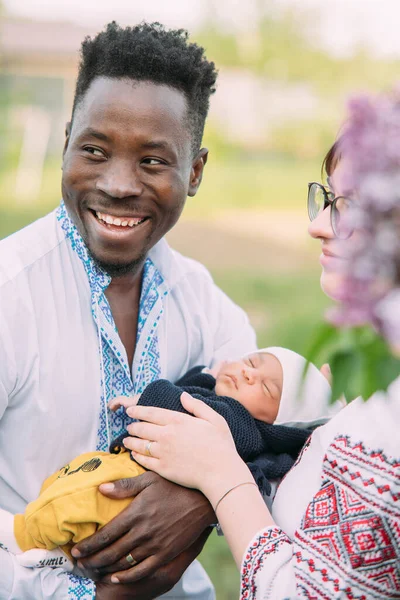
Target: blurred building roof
24	38
42	49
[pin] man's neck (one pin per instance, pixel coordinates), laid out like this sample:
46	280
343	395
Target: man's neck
123	295
125	284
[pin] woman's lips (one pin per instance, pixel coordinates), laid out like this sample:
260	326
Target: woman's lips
327	252
331	261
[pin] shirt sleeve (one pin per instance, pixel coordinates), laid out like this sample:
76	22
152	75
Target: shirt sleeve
267	571
17	581
8	369
40	584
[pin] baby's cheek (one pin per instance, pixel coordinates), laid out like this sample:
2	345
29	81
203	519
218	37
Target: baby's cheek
217	368
265	409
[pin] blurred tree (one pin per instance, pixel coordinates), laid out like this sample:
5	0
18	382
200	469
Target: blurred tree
283	46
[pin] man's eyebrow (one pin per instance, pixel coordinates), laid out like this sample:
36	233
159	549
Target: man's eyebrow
156	145
89	131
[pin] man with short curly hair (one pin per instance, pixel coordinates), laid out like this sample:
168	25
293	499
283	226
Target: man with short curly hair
94	304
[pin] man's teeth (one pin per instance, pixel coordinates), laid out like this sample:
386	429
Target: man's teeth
119	221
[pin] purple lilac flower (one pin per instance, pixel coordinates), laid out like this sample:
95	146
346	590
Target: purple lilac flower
370	147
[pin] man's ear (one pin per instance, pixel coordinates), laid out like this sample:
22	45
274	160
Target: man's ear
196	173
67	136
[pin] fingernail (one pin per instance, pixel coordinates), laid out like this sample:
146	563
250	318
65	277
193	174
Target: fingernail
80	565
125	440
75	553
107	487
114	579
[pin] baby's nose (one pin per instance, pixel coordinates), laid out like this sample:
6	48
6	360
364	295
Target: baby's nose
249	374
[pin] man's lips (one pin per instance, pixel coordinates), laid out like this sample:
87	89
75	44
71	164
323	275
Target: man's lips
117	227
120	220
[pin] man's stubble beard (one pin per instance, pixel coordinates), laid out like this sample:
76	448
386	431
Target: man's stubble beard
118	270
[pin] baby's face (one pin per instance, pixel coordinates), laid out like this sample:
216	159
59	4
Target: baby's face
255	381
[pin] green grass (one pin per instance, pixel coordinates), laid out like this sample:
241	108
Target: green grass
284	308
264	183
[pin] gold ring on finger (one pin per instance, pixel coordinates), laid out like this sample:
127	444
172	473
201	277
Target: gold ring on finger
131	560
148	451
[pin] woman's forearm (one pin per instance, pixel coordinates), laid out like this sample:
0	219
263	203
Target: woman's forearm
242	512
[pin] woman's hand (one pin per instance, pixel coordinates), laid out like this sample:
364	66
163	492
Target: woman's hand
200	452
194	452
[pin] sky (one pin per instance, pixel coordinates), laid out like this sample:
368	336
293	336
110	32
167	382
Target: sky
338	25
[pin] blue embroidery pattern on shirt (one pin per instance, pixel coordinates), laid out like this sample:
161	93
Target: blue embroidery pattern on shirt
116	377
81	588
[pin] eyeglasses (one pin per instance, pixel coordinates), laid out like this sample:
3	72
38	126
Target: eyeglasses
319	198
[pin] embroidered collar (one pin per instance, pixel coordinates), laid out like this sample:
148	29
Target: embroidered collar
99	280
116	376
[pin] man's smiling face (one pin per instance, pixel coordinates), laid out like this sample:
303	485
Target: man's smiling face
128	168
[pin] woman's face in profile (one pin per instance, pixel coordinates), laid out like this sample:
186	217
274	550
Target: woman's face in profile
333	251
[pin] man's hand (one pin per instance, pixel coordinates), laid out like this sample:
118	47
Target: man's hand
163	521
156	584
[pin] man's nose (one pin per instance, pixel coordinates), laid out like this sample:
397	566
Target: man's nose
321	226
120	180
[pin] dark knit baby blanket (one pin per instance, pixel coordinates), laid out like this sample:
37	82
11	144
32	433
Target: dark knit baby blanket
269	450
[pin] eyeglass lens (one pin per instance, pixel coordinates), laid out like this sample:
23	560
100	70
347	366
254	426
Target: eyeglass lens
319	198
339	225
316	200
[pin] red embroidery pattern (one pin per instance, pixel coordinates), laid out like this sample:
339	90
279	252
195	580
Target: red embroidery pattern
349	541
269	542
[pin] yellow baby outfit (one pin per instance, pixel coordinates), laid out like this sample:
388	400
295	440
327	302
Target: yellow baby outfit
70	506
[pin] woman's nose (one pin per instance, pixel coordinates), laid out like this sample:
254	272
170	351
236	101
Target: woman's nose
321	226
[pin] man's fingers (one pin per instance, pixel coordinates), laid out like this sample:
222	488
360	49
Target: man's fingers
113	558
99	540
122	488
126	488
122	564
143	569
148	567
